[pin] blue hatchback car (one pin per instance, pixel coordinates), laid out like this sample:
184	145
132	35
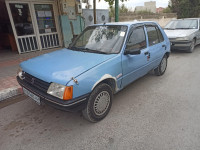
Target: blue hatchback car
100	62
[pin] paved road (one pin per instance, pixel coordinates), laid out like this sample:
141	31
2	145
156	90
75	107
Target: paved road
153	113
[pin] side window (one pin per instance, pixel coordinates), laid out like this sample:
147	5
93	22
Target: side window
137	39
161	39
152	35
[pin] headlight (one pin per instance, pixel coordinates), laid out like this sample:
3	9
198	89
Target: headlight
20	73
61	91
182	39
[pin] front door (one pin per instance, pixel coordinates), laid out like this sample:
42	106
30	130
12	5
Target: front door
135	66
23	27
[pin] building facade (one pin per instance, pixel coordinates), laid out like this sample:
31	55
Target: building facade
160	10
37	25
148	6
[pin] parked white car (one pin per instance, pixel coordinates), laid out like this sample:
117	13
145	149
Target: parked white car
184	34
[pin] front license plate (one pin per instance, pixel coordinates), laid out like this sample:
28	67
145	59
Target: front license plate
32	96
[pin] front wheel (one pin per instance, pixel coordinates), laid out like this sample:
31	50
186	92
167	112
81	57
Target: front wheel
160	70
99	103
191	49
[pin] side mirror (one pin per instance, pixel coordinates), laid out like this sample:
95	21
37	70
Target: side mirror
132	52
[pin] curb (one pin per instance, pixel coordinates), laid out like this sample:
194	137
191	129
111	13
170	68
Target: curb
10	92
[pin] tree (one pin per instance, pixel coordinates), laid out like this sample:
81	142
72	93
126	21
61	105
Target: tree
185	8
111	2
167	10
122	9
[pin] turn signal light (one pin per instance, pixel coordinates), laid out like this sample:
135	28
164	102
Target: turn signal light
68	93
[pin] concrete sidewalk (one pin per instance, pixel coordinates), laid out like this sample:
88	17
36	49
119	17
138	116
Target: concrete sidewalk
9	64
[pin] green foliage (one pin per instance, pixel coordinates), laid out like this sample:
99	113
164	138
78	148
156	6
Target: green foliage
111	2
185	8
122	9
167	10
112	11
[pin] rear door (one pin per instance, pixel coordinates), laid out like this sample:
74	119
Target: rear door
157	45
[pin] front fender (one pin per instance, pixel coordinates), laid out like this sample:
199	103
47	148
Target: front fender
87	81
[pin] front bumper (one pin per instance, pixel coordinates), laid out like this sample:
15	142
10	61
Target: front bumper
180	45
72	105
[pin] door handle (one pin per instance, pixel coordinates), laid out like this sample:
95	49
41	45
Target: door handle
164	46
146	53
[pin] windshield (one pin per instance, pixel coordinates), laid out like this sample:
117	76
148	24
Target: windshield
182	24
100	39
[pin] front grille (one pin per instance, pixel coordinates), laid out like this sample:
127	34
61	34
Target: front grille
35	82
172	39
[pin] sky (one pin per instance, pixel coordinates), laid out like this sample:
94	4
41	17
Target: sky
130	3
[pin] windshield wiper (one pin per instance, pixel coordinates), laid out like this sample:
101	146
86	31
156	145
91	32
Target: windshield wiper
169	28
92	51
86	50
74	48
184	28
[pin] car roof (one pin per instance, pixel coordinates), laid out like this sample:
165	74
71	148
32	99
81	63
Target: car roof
186	19
128	23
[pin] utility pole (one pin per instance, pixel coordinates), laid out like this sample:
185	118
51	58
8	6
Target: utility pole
94	11
116	10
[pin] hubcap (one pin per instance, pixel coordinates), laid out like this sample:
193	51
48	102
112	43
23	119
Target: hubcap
101	103
163	64
192	45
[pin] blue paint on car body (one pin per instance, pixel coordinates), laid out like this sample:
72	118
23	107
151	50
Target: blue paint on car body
90	69
61	65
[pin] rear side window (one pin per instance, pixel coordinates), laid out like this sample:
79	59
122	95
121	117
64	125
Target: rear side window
152	35
137	39
161	39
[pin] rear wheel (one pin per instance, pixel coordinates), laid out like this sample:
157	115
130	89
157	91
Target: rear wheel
99	103
160	70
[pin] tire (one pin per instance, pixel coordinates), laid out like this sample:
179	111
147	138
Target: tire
160	70
191	49
99	103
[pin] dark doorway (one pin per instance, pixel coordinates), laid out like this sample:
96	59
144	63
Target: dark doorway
7	40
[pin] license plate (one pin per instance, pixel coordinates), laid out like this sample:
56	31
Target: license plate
32	96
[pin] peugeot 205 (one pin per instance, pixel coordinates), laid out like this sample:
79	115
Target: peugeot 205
100	62
184	34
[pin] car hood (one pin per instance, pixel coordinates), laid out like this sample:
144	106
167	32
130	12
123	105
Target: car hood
179	33
61	65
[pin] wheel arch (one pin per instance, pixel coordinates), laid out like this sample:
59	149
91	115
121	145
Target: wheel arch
108	79
195	38
167	54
